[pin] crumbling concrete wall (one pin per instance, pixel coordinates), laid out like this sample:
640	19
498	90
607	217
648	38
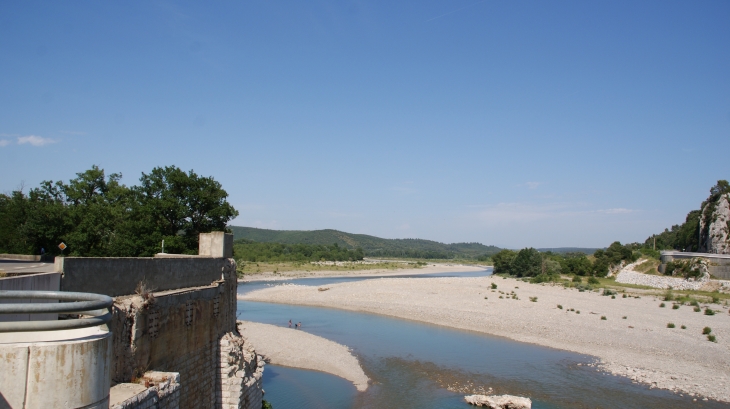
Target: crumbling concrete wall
162	392
191	331
240	371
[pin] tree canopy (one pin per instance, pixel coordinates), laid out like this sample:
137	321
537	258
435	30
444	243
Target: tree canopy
95	215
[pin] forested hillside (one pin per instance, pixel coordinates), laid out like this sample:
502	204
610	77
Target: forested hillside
371	245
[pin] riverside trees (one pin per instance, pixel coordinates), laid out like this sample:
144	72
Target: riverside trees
95	215
547	266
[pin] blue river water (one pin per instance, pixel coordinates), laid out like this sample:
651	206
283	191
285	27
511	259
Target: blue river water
416	365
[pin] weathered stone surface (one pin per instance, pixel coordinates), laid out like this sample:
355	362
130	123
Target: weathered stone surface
499	401
715	234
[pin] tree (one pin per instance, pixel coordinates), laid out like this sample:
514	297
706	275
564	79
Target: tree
178	206
96	215
503	261
527	263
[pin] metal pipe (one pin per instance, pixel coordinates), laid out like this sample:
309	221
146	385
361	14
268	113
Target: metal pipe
95	305
82	302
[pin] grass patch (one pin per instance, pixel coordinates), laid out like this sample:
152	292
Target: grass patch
533	299
670	325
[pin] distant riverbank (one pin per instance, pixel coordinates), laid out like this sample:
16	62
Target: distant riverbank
401	268
633	340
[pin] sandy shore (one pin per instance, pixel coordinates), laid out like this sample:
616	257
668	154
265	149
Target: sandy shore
640	346
299	349
428	269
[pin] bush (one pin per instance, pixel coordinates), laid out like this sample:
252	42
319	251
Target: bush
662	305
603	318
683	327
670	325
577	311
696	309
624	296
706	330
533	299
577	279
593	280
494	286
709	311
266	405
560	307
711	338
607	292
668	296
624	317
675	306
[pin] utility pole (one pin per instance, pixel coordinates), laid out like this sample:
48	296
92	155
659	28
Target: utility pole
654	242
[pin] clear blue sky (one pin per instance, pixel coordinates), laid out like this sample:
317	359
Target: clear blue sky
504	122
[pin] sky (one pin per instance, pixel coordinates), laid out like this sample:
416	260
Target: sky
509	123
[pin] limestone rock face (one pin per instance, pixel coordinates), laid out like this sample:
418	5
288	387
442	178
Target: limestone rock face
499	401
715	227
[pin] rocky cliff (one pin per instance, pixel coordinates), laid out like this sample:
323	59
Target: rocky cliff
715	224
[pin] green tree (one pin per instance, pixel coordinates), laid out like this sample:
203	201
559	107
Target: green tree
177	206
503	261
527	263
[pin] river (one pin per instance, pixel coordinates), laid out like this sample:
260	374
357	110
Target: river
416	365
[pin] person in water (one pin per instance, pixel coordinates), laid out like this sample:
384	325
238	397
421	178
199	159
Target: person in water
299	325
289	323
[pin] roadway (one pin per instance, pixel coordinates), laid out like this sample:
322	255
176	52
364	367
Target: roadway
22	266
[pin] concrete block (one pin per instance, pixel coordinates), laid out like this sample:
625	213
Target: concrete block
215	244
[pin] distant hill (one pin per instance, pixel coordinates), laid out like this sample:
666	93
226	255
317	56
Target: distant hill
371	245
563	250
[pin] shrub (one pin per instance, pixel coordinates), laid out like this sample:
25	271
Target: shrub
675	306
577	279
706	330
613	297
266	405
711	338
715	299
695	303
670	325
494	286
624	296
696	309
668	296
603	318
533	299
607	292
560	307
593	280
662	305
501	296
624	317
683	327
709	311
577	311
485	297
